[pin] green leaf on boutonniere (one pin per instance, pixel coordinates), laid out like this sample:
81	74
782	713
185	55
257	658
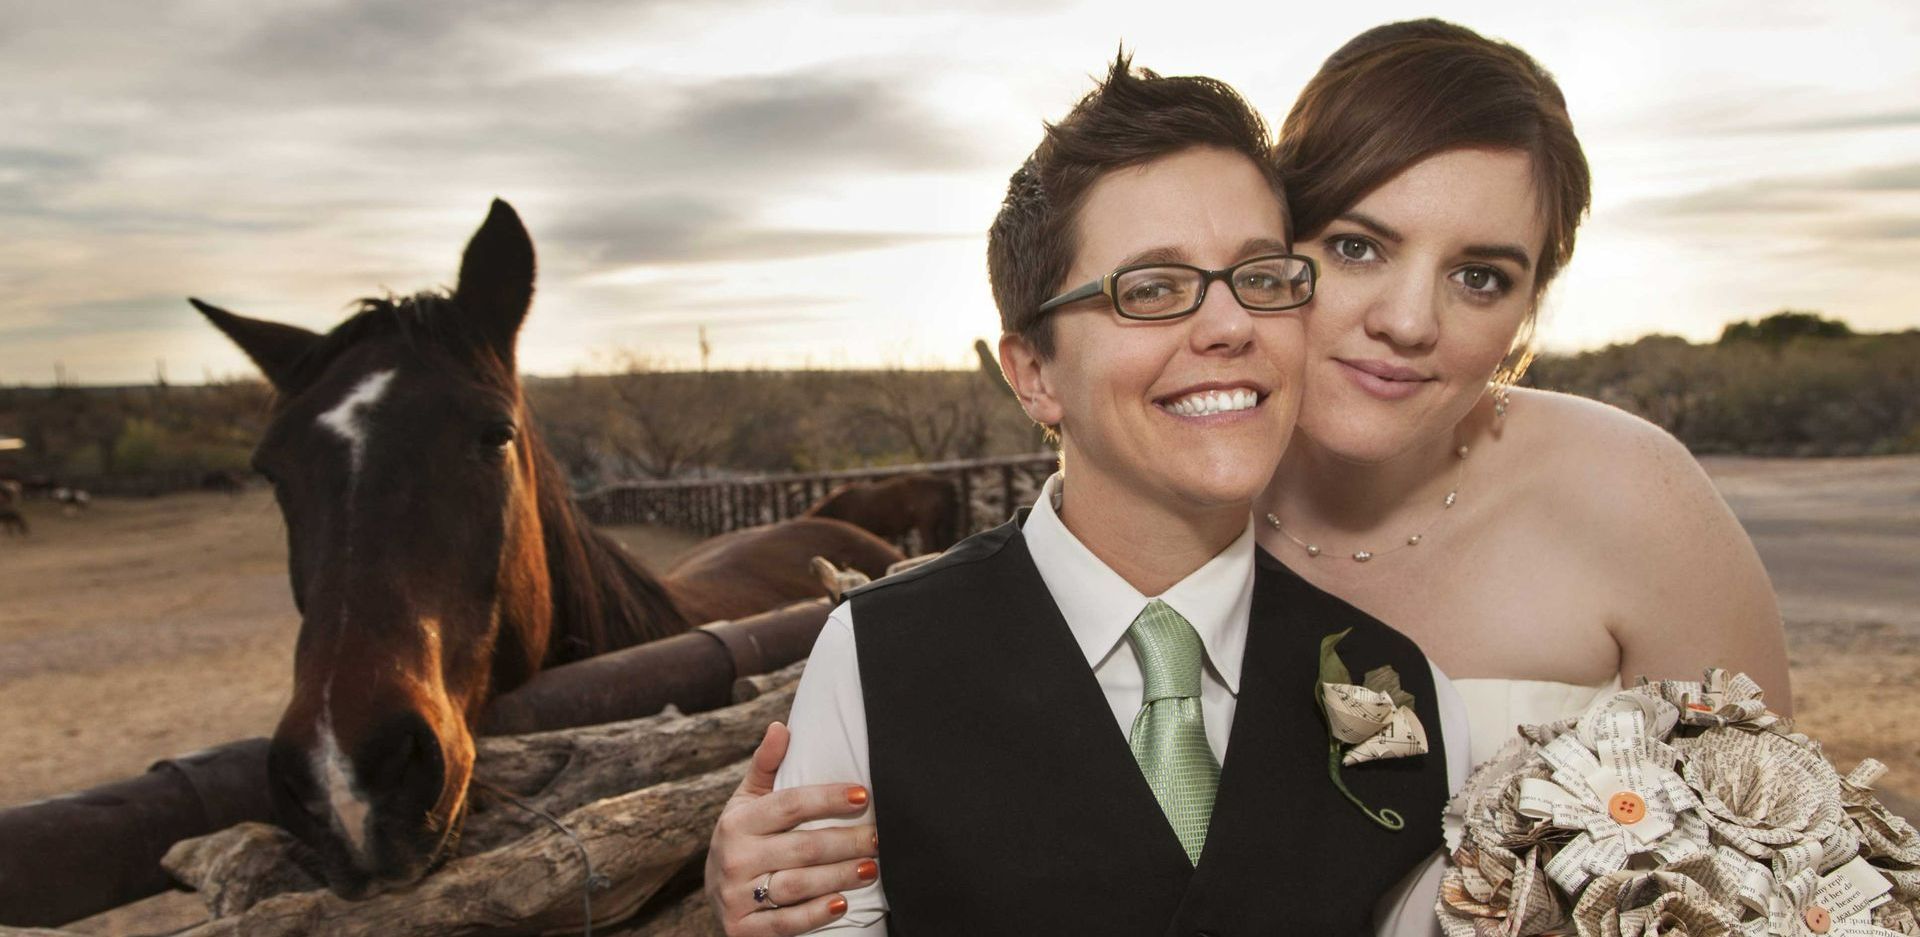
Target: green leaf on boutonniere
1382	680
1332	670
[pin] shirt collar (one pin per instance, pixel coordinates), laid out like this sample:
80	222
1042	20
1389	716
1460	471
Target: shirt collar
1099	606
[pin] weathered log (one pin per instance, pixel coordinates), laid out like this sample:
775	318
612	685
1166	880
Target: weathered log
550	772
752	687
240	866
559	771
536	885
690	916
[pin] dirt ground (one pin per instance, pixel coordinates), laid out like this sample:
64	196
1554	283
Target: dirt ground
1841	540
144	629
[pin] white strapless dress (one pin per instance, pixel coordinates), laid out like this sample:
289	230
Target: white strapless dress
1493	710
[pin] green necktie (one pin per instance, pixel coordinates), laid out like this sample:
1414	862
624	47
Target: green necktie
1169	738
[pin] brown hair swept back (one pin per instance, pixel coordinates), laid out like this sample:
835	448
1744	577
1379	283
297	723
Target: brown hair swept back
1399	93
1132	117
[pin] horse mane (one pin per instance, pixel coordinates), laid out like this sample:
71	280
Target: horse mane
602	598
429	318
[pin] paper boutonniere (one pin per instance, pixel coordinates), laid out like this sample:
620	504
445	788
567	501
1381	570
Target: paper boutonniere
1366	721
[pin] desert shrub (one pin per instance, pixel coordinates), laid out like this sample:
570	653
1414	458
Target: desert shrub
1792	384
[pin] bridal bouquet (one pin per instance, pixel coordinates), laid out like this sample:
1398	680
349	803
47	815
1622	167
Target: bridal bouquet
1676	809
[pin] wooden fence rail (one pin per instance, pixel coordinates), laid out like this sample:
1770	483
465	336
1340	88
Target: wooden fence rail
990	489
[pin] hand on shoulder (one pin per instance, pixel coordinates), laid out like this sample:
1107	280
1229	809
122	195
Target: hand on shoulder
756	839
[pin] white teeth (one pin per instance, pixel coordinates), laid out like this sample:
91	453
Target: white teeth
1210	402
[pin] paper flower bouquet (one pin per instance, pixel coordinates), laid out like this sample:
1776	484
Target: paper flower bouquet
1676	809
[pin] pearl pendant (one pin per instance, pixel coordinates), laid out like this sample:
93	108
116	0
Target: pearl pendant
1312	550
1413	541
1462	452
1362	556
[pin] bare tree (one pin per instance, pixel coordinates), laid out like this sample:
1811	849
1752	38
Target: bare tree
935	414
666	421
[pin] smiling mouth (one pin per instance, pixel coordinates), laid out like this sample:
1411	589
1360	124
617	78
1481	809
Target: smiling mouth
1210	402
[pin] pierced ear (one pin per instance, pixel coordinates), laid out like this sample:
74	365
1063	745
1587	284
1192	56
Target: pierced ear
496	278
274	347
1025	373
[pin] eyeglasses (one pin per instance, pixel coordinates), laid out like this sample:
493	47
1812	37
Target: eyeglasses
1267	283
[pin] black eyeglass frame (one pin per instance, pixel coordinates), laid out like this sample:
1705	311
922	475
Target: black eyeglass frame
1105	287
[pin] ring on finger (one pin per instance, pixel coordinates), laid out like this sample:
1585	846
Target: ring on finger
763	892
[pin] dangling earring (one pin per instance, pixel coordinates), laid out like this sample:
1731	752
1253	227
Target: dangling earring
1500	400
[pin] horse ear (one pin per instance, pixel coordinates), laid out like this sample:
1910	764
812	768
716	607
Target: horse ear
274	347
496	278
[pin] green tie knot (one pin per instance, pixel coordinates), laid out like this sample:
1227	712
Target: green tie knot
1170	652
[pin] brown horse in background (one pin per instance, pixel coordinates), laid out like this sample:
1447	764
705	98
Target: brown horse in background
922	504
437	558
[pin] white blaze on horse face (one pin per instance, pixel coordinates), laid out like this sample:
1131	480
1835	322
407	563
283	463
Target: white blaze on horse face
331	767
348	418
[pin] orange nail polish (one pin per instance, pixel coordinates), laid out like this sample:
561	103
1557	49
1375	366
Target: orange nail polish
867	870
857	796
837	907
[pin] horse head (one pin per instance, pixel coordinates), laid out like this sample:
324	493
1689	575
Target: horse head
402	455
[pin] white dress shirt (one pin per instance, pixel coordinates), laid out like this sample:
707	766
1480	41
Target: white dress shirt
829	717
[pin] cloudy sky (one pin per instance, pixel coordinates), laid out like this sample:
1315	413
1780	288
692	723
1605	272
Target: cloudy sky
810	181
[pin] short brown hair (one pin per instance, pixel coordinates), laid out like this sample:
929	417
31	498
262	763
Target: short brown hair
1133	117
1399	93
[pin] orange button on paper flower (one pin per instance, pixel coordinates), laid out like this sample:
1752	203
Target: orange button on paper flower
1818	920
1627	807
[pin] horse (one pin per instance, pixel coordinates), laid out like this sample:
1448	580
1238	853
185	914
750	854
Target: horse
13	523
923	504
437	558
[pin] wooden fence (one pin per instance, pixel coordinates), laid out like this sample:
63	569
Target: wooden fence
990	490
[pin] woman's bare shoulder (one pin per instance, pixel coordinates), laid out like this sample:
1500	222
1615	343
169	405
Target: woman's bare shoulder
1602	465
1641	512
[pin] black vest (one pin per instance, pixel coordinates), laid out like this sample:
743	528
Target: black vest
1009	802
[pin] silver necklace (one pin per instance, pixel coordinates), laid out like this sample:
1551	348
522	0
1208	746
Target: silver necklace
1413	540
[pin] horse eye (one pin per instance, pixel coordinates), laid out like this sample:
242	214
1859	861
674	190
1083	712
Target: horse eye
498	436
